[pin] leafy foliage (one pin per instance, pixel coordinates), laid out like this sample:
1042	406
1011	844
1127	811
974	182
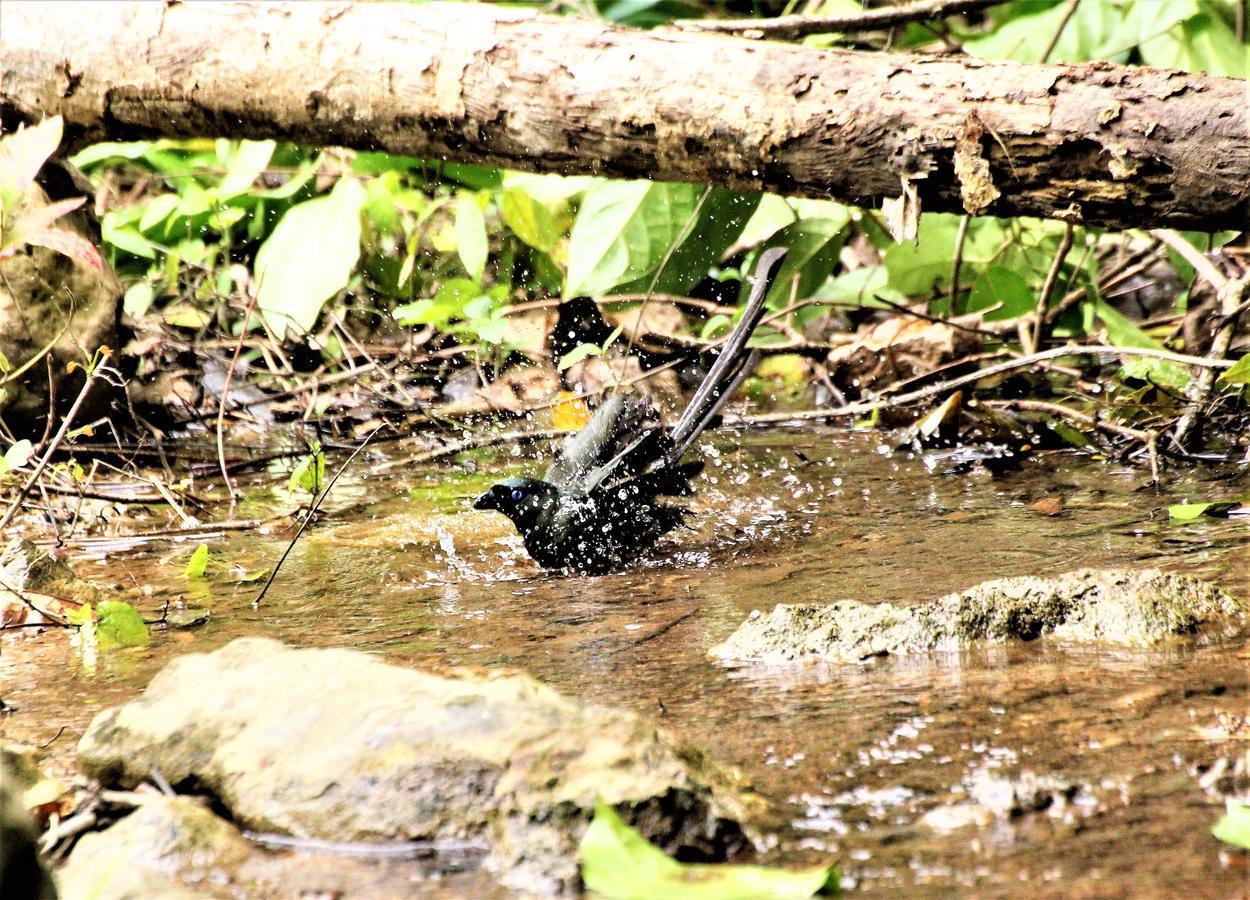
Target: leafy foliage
617	862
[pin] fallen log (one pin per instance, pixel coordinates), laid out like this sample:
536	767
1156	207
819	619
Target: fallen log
1097	144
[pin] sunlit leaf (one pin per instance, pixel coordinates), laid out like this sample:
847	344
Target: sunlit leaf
814	246
125	238
243	166
617	862
577	354
198	564
541	225
138	299
1122	332
471	241
624	231
1002	294
16	456
119	624
309	258
1234	826
310	472
1239	373
1188	512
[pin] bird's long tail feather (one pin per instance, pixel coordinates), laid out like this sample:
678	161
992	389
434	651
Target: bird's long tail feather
731	366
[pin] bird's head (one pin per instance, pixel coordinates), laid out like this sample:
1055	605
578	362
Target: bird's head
523	500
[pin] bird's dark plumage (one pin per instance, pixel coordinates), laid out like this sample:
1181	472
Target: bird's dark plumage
597	507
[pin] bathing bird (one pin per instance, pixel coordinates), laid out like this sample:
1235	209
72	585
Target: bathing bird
597	507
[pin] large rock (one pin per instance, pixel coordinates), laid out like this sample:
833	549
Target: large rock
1093	606
159	850
22	876
336	744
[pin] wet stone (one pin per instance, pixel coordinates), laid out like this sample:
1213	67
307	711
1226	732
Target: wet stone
167	847
1123	608
337	745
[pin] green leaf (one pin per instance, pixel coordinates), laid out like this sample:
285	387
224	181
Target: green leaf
309	258
1121	332
1234	826
1188	512
198	563
814	247
16	456
1202	43
125	238
624	230
1004	292
309	473
118	624
577	354
617	862
158	209
538	224
1239	373
138	299
243	166
449	302
715	325
471	241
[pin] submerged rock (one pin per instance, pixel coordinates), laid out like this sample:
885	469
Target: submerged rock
335	744
162	848
1115	607
22	876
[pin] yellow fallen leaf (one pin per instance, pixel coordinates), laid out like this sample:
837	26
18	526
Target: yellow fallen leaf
569	413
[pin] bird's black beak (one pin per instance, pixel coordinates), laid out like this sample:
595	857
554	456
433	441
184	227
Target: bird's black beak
489	500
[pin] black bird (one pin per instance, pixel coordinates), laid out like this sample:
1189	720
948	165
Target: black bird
597	506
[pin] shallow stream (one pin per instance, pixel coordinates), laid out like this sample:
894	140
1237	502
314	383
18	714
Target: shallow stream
868	757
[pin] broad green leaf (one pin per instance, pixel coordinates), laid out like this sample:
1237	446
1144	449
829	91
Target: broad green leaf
89	156
1234	826
577	354
471	241
720	220
125	238
244	164
491	331
1089	34
309	258
1239	373
198	564
138	299
618	863
860	287
1188	512
310	472
624	229
450	302
539	224
16	456
814	246
919	267
1002	293
773	214
1122	332
118	624
1202	43
716	325
157	210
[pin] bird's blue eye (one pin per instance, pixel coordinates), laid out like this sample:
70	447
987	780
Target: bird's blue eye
517	494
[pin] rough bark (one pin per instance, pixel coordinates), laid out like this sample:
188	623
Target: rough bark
1098	143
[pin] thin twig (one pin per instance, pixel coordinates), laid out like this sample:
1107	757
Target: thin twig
312	512
1043	296
1063	23
960	237
52	447
868	406
225	395
869	20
